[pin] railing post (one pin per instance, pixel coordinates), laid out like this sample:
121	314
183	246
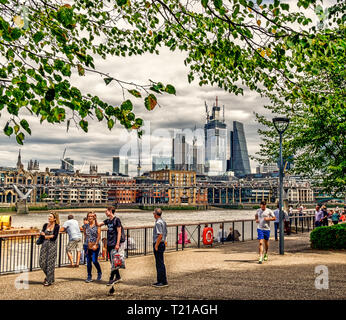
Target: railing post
251	229
302	222
199	235
308	223
182	237
31	252
243	229
295	221
59	252
127	242
145	241
176	238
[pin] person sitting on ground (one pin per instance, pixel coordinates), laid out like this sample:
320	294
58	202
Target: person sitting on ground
233	236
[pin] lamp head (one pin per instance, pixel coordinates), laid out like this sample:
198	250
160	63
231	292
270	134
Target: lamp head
281	124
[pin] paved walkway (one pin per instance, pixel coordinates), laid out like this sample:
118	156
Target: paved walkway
229	271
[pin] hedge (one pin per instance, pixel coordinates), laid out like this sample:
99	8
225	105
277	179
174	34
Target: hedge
333	237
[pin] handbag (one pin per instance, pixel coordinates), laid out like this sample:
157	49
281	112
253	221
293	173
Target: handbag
40	240
91	244
117	260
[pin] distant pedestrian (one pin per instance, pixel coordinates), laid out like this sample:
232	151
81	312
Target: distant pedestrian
159	239
335	217
48	253
221	235
75	239
92	233
318	216
277	222
325	216
115	240
263	217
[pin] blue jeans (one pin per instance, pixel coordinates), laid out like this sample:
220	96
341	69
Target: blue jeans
92	256
276	227
160	264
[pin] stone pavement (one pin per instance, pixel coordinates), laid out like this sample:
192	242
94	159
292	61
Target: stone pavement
228	271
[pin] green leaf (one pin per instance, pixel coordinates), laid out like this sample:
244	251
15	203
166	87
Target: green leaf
139	122
38	36
84	125
99	114
108	80
217	4
135	93
170	89
50	94
121	2
150	102
205	3
8	130
20	137
126	106
110	124
25	126
81	70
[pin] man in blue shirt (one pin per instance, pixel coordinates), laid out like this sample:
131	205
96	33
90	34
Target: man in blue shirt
318	216
159	243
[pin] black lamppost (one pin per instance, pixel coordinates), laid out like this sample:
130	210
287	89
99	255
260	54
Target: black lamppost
281	124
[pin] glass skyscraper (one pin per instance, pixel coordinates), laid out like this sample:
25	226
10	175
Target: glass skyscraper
240	162
215	143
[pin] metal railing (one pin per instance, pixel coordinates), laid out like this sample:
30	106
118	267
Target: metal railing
20	252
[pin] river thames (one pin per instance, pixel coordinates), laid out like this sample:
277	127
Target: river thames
136	218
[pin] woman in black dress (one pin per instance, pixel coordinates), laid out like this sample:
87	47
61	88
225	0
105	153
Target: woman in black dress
48	252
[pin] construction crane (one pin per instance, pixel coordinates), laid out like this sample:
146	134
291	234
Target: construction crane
206	110
139	157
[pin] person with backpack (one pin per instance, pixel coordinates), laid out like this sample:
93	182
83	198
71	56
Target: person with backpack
115	240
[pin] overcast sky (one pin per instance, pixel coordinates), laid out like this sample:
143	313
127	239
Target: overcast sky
99	145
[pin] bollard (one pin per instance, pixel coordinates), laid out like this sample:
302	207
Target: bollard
177	237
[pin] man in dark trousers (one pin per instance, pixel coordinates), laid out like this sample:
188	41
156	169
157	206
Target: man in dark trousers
159	239
115	240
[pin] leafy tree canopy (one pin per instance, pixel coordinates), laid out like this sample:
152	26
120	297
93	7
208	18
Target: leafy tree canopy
263	46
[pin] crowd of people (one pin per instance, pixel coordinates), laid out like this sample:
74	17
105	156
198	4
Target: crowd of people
89	251
323	216
116	242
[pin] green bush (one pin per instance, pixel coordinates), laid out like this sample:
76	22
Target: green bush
333	237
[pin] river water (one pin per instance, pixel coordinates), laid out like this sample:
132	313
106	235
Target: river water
136	218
